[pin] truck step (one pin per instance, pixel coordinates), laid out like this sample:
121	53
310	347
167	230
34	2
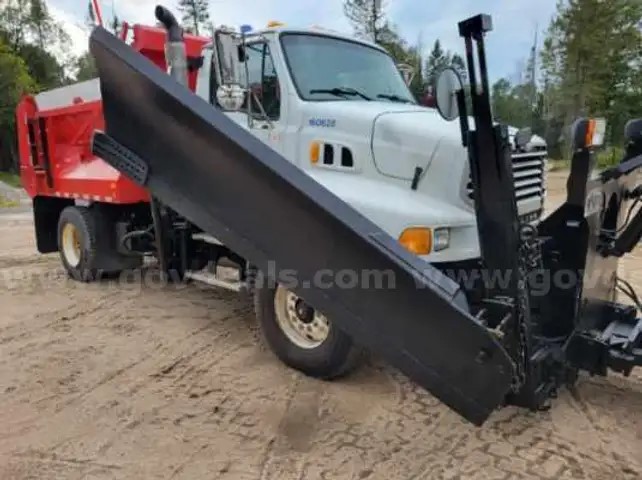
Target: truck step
121	158
213	280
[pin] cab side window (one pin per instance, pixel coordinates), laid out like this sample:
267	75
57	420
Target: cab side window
263	81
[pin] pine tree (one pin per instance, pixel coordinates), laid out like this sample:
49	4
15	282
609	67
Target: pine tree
591	62
33	56
368	17
85	68
459	64
196	15
15	82
41	21
438	60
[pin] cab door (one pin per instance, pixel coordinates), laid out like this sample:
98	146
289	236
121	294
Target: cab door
264	99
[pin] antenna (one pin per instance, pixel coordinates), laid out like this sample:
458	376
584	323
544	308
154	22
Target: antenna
533	75
533	65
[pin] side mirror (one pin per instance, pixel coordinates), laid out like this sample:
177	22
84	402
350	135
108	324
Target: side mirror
523	138
449	84
407	72
230	97
226	51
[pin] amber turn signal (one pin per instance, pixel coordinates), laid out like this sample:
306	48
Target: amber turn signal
417	240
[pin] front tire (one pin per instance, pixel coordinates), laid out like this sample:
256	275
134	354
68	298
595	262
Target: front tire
302	338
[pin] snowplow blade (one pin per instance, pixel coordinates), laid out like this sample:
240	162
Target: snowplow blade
220	177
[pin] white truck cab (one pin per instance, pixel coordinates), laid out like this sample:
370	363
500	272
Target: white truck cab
340	110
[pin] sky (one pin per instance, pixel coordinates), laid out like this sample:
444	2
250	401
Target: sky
515	21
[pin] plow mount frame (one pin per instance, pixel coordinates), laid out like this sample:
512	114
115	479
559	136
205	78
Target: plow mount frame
573	325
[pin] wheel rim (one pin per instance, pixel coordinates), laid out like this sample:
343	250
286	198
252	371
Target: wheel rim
304	326
71	246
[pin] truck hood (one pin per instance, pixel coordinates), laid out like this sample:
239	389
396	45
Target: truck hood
403	141
402	137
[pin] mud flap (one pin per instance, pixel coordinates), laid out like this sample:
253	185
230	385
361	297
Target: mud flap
223	179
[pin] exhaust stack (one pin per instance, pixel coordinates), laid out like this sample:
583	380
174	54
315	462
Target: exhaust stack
175	52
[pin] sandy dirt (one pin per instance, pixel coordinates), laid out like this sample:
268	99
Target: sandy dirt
114	381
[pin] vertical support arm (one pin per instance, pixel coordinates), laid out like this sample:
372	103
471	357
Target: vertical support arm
490	162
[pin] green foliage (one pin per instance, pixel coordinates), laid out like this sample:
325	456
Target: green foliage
29	30
459	64
28	36
513	104
25	22
43	67
14	22
437	61
440	59
11	179
368	17
85	68
14	82
196	15
415	60
609	157
592	63
520	105
369	20
402	53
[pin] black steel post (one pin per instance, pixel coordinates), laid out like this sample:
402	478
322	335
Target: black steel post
491	166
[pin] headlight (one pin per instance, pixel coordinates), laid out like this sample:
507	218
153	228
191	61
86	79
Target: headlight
441	239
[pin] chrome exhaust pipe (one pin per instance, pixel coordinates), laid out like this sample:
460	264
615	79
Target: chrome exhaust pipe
175	53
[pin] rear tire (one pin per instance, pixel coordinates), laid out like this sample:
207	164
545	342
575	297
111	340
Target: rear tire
320	351
77	243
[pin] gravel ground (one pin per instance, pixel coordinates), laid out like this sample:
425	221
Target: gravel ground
112	381
13	194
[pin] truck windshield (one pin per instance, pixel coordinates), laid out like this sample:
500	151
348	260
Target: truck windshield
325	68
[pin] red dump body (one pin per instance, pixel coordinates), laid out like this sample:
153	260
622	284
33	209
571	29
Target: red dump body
55	130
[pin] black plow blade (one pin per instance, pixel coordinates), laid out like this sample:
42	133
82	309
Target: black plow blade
219	176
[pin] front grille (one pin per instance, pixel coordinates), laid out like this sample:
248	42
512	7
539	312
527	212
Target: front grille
529	174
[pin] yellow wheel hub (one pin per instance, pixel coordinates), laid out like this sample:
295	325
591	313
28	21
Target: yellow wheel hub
71	244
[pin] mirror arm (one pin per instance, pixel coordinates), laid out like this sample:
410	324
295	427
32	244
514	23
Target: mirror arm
463	116
261	109
250	122
195	63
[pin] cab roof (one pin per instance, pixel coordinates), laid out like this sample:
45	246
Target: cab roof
313	31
